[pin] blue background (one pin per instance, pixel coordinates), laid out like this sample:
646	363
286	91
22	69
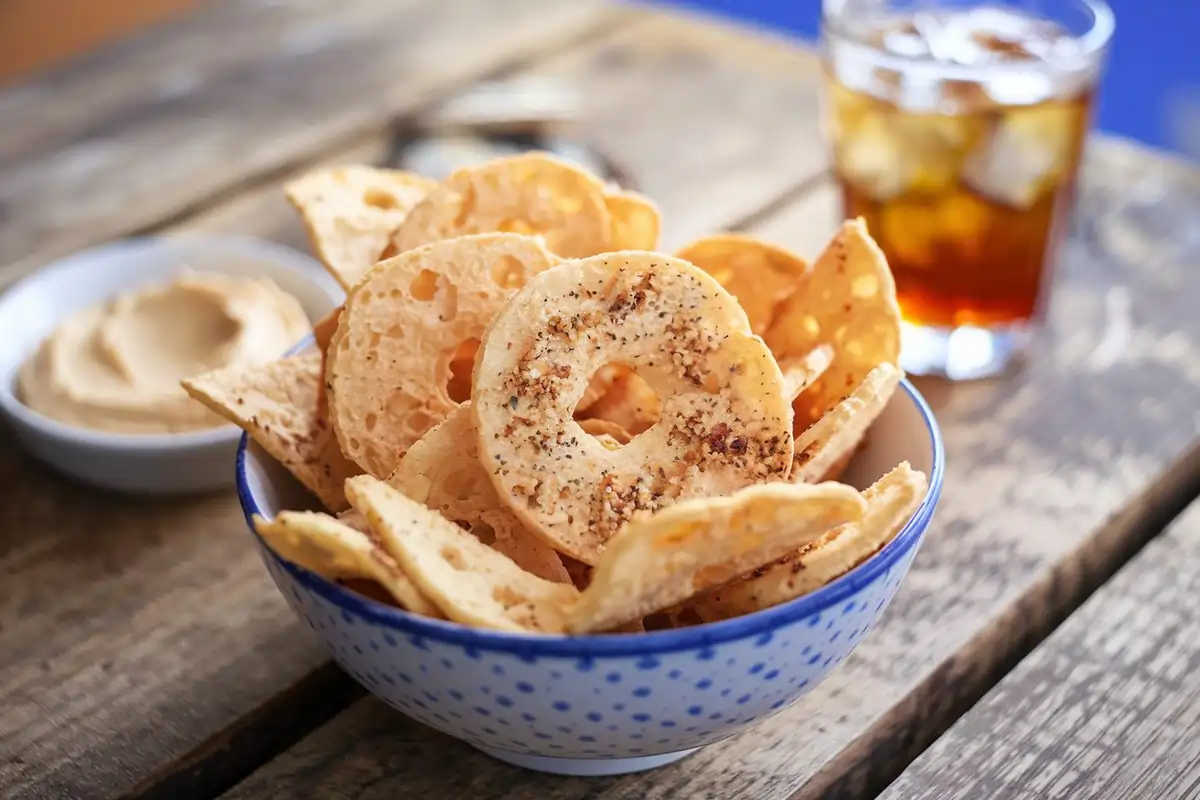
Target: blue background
1154	62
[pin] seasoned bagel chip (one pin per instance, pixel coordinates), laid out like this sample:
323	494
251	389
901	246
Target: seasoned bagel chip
662	559
848	301
335	550
443	471
890	503
758	274
351	212
532	193
826	446
278	405
470	582
389	364
725	420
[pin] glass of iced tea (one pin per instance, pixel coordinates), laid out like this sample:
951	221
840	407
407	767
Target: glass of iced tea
957	129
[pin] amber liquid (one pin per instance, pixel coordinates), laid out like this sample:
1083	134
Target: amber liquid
967	207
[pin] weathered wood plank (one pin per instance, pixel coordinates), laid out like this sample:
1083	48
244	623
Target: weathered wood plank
147	164
206	668
1108	707
102	89
1055	477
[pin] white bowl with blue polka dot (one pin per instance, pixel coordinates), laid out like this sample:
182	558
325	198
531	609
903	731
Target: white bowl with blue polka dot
609	704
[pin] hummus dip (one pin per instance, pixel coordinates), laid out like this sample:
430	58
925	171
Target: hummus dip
116	367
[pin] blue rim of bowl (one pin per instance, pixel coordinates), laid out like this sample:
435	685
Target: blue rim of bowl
223	435
700	636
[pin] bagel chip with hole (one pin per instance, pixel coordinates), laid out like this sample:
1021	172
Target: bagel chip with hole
351	212
470	582
890	503
725	423
389	364
278	405
663	559
336	551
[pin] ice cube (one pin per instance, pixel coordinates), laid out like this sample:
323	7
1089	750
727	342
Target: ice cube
885	154
1027	150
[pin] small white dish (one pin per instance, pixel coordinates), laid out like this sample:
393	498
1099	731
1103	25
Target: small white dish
145	464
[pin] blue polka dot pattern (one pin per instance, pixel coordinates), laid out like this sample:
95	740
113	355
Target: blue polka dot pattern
601	706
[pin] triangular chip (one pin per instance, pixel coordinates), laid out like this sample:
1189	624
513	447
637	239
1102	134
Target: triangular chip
442	471
758	274
829	442
389	364
277	404
334	550
661	560
800	373
531	193
891	502
472	583
847	300
351	212
635	221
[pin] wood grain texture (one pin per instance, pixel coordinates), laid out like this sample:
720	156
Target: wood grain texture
301	89
1055	477
142	646
1108	707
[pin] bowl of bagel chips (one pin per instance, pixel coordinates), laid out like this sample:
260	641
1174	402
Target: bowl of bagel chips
581	504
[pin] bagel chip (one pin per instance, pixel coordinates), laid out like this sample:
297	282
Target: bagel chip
661	560
800	373
336	551
278	405
603	428
442	470
471	583
758	274
829	443
389	363
725	424
890	503
532	193
848	301
350	213
635	221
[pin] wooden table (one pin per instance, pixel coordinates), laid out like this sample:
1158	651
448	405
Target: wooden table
144	651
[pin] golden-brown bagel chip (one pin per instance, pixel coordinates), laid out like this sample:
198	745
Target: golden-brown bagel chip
532	193
278	405
351	212
891	502
443	471
334	550
725	420
635	221
800	373
758	274
827	445
847	300
388	371
470	582
663	559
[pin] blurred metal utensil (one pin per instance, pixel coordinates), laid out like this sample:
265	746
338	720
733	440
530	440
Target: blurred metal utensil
498	119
